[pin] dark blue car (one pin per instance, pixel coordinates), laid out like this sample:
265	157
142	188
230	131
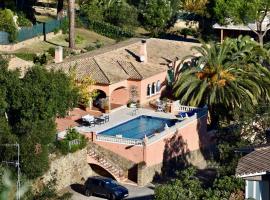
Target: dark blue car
106	187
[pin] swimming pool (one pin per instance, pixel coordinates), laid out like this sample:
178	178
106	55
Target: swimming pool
139	127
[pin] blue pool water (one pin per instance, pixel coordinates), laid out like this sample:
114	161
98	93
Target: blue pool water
139	127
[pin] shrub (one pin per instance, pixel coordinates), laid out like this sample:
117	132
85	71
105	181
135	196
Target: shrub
118	12
56	30
64	145
7	24
99	44
51	51
189	31
109	30
64	26
23	21
90	48
79	39
42	59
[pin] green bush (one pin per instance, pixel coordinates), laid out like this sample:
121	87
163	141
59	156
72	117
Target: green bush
42	59
23	21
51	51
189	31
72	134
7	24
64	26
109	30
79	39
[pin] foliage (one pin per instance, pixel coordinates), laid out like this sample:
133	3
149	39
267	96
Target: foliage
92	10
109	30
188	186
23	21
118	12
64	26
26	56
244	12
99	44
7	24
225	76
31	104
83	86
40	59
195	6
51	51
8	186
189	31
155	14
64	145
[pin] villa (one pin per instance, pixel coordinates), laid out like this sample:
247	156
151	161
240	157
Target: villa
135	63
136	146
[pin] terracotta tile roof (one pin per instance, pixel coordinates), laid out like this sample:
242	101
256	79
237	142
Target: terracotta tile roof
257	161
120	61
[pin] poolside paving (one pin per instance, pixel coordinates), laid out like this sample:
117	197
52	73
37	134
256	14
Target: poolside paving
124	115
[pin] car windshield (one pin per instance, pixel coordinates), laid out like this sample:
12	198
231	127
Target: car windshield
111	183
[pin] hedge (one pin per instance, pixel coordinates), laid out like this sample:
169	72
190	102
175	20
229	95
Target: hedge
108	30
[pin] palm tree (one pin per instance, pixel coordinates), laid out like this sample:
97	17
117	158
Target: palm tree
71	10
228	76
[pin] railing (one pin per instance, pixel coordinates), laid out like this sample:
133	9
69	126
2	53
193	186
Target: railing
98	156
74	142
179	107
114	139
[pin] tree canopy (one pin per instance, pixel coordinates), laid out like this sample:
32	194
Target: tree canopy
29	107
245	12
224	76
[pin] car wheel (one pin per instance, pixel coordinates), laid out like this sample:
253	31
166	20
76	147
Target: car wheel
112	197
87	193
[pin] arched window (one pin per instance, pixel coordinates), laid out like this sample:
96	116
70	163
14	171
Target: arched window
154	88
148	90
158	86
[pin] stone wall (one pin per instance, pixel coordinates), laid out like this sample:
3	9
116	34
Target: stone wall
67	170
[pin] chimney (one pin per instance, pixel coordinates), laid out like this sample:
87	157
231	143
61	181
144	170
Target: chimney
143	52
58	55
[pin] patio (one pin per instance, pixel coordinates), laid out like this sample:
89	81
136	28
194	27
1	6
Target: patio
121	116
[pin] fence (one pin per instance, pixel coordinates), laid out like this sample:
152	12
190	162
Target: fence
39	29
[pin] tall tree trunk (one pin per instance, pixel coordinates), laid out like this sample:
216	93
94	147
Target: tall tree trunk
260	36
71	11
60	7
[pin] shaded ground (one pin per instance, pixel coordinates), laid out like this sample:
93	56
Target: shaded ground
87	38
135	193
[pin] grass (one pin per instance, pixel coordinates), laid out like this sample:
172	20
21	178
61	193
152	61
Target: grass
86	38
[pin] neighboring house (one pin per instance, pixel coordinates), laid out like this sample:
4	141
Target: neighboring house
234	30
118	68
254	168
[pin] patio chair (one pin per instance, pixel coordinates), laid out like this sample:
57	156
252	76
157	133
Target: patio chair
105	117
99	121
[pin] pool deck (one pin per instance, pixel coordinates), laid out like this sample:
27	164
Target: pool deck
121	116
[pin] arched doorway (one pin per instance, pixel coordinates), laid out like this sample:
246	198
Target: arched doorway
119	97
99	101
